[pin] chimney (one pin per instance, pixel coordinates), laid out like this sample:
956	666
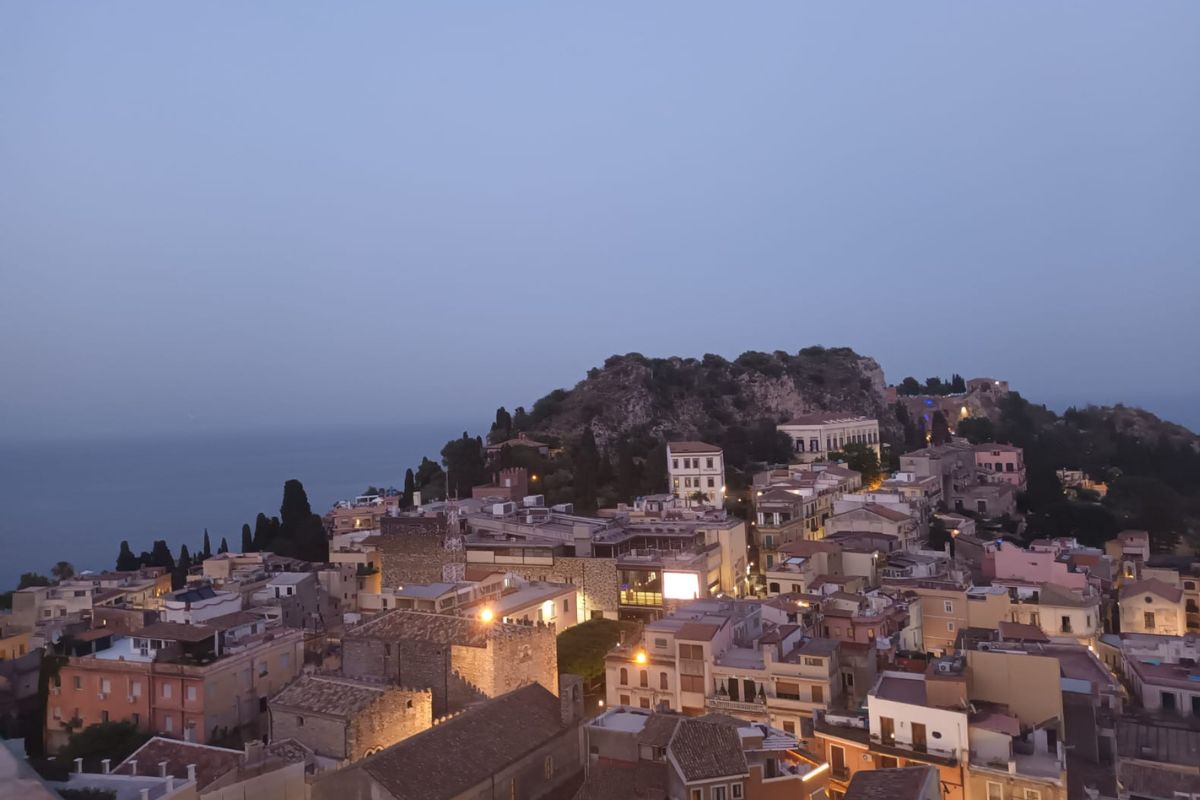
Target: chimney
583	541
254	752
191	768
162	769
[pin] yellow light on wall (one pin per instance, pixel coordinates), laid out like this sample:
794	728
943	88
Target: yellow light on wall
640	657
487	615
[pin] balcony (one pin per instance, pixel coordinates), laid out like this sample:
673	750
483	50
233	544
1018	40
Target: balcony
725	704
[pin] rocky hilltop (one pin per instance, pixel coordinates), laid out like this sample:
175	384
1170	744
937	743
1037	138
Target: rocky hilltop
632	395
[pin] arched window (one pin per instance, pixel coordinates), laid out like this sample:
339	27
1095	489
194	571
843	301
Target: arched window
624	677
662	679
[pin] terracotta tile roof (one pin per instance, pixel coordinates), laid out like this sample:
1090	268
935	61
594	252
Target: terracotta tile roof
696	632
427	626
176	632
692	447
211	762
704	751
339	697
890	784
616	780
658	730
1151	586
234	620
450	758
1021	632
885	512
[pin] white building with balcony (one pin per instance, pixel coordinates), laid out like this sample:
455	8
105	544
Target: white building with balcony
696	472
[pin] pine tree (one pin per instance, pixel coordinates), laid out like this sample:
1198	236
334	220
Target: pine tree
224	548
247	539
160	555
207	551
126	560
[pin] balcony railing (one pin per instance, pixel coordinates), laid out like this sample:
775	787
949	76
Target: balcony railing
726	704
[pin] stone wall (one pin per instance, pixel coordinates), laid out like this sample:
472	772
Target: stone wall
595	578
326	736
415	550
455	674
399	714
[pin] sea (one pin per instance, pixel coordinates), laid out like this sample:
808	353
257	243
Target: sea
76	500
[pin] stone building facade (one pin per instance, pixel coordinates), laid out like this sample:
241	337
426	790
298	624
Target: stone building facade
346	720
457	658
416	549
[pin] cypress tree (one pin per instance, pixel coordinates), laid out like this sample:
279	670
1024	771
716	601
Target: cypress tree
295	510
180	573
410	486
207	551
160	555
587	470
126	560
247	539
224	548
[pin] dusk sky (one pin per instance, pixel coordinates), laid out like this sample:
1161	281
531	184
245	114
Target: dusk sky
245	215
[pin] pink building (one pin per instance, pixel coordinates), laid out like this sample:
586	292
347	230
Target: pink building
1039	566
1002	463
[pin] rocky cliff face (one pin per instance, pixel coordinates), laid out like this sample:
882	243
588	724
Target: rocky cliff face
632	395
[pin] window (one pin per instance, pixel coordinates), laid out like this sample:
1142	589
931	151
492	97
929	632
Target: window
58	712
104	716
624	699
718	793
786	690
105	685
169	724
77	682
708	463
692	651
643	678
949	626
735	791
697	794
995	791
624	676
135	688
1148	620
888	762
548	768
1033	794
166	691
566	604
809	661
674	463
662	681
1066	624
712	483
948	606
818	694
691	683
661	644
789	727
190	692
644	702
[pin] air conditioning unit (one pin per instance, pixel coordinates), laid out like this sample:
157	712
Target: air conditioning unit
985	646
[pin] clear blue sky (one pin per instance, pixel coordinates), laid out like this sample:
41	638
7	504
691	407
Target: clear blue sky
238	215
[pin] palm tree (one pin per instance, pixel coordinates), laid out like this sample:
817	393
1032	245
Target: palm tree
63	571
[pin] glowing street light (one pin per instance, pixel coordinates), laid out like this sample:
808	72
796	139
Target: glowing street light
640	657
487	615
